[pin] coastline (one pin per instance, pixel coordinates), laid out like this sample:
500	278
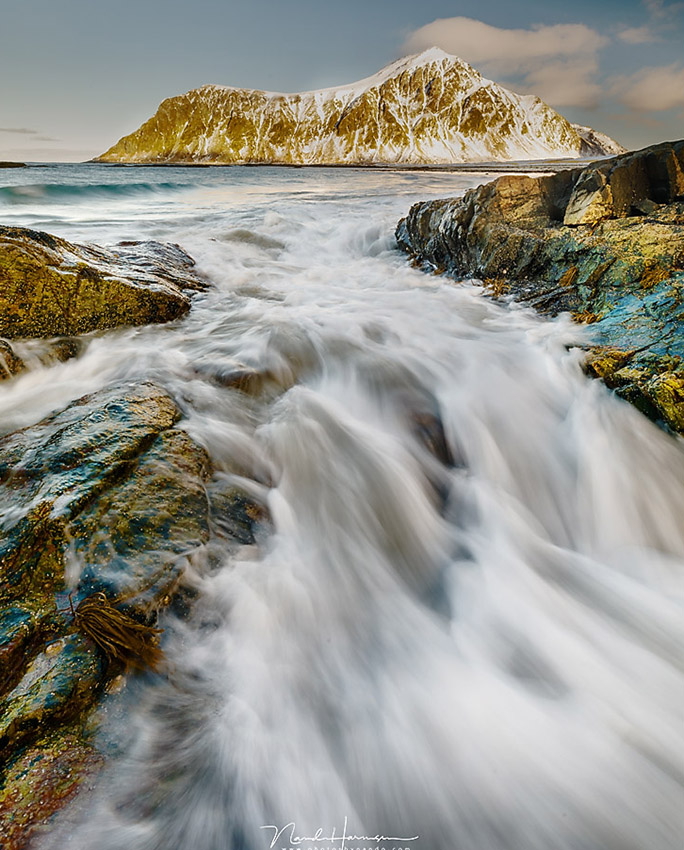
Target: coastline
504	167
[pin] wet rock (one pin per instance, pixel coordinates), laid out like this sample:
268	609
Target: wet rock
39	781
21	629
58	685
133	538
10	362
235	512
234	375
605	243
109	488
105	495
50	287
50	471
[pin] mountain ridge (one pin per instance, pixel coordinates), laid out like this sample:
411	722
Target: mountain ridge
429	108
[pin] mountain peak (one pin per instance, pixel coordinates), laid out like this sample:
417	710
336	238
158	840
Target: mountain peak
404	113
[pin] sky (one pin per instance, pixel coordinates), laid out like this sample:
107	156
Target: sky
79	74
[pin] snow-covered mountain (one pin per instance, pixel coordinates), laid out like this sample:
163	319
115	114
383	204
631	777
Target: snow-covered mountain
596	143
429	108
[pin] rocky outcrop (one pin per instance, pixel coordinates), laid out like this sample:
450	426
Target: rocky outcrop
50	287
107	495
429	108
595	143
605	242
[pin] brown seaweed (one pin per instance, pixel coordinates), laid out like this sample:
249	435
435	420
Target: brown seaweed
117	634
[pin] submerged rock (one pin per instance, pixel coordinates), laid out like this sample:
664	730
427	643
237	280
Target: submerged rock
605	242
50	287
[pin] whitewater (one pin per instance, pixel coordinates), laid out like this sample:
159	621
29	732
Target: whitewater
461	625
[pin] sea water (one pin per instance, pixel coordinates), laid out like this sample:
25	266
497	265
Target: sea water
461	626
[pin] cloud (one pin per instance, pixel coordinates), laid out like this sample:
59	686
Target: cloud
556	62
651	89
662	17
24	131
638	35
566	83
661	10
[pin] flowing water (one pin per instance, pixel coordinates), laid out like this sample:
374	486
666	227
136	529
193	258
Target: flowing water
462	627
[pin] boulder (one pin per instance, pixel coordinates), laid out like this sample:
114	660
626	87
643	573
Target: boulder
109	489
50	287
106	495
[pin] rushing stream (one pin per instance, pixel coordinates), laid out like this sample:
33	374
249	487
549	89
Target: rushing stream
462	628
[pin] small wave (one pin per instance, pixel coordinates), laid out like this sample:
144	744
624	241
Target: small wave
50	192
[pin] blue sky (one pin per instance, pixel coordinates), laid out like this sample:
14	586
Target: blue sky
78	74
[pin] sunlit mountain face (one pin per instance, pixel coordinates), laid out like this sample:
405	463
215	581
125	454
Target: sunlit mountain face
428	108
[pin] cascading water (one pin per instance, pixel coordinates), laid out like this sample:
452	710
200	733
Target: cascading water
462	628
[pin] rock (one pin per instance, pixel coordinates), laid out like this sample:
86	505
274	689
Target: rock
57	686
234	375
21	629
6	164
109	484
591	199
10	362
50	287
39	781
52	470
604	242
132	539
111	493
235	512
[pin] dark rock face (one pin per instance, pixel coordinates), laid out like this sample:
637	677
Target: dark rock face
605	242
51	287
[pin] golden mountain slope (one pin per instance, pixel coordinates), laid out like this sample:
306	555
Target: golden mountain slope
430	108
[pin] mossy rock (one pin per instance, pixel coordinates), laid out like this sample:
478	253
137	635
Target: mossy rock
619	267
50	287
111	484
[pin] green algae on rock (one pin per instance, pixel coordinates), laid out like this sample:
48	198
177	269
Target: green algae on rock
605	243
50	287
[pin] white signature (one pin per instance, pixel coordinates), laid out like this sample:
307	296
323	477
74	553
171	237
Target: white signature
320	838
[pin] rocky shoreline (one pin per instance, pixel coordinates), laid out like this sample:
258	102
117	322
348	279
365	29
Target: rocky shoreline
111	484
605	242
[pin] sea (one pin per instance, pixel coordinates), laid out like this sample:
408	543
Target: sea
461	627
